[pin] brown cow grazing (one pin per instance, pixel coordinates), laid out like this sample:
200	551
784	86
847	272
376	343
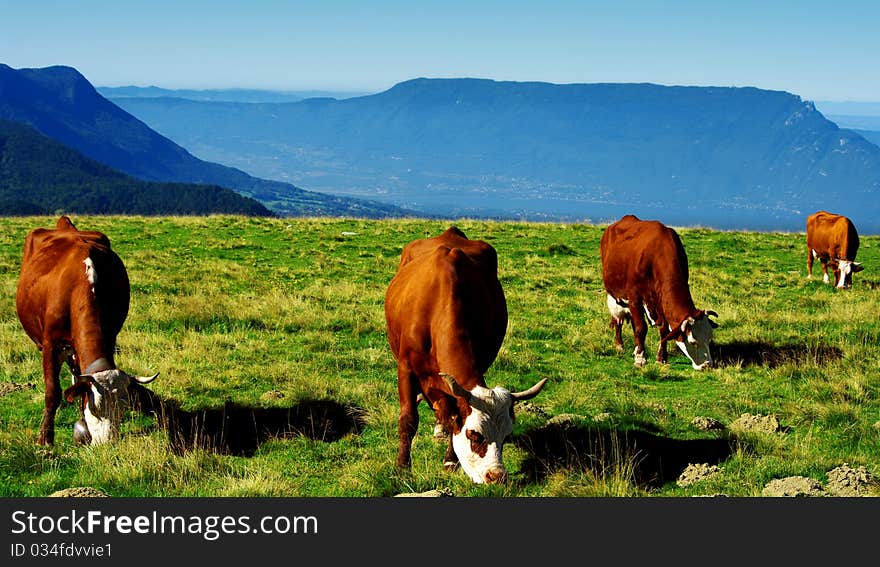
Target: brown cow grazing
833	238
645	273
72	300
446	317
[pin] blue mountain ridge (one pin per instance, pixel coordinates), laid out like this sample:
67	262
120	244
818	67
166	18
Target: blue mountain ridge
61	104
722	157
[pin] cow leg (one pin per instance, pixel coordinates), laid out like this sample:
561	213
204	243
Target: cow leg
809	263
662	354
51	369
617	325
442	408
640	331
824	270
450	460
408	422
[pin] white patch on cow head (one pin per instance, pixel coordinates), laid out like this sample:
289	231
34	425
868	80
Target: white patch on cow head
108	400
697	344
479	443
844	271
91	274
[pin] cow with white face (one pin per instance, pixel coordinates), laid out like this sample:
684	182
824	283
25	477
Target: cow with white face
72	300
834	241
645	275
446	317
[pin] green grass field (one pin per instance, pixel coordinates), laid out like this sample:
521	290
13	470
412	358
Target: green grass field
281	313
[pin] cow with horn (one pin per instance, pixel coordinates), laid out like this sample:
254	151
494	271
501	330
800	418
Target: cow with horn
446	318
72	299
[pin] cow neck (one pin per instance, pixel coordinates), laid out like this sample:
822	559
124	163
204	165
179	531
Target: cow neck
89	342
677	303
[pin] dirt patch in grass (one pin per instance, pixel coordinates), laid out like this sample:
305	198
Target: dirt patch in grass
793	486
78	492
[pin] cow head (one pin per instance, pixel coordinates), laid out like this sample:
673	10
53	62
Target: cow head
843	271
479	440
105	397
694	338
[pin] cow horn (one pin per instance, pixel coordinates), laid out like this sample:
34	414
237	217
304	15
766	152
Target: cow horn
145	379
530	393
455	387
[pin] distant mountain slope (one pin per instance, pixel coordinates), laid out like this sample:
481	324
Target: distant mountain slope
41	176
872	136
714	156
61	104
222	95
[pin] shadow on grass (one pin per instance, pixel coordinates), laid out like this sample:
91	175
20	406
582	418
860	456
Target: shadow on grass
646	459
239	430
756	353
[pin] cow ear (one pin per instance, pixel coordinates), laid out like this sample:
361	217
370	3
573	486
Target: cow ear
77	390
710	313
857	267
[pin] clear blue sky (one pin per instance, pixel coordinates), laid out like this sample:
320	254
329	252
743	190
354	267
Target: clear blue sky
820	50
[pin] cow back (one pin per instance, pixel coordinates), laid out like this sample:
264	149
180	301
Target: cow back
832	236
636	254
445	308
55	290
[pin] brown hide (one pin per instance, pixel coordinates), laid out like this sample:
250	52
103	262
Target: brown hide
833	237
445	313
59	311
645	265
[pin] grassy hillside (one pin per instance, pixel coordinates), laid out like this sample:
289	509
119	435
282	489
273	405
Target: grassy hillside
287	316
39	175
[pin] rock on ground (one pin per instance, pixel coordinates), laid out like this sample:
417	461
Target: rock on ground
695	473
704	423
757	422
793	486
529	407
436	493
79	492
848	481
566	420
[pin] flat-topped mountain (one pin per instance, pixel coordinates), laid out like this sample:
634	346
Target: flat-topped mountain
713	156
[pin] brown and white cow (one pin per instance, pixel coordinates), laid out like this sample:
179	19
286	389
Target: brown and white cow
645	274
833	239
73	297
446	318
